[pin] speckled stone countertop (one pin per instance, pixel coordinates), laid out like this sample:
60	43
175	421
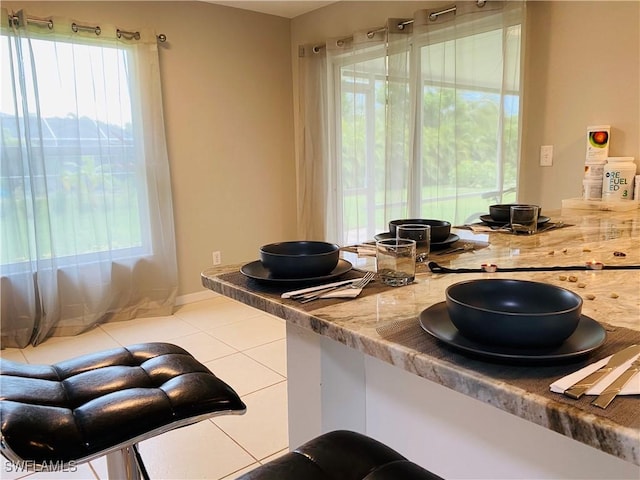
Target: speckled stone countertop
383	321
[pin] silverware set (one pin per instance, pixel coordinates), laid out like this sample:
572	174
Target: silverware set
579	388
609	393
314	293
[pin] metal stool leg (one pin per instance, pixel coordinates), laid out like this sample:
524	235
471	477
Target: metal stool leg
123	464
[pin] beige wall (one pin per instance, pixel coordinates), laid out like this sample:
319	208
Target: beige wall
582	67
227	86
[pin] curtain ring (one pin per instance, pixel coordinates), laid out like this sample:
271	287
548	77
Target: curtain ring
76	28
372	33
127	35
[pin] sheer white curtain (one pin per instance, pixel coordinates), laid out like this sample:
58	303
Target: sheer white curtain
86	211
469	80
421	120
315	198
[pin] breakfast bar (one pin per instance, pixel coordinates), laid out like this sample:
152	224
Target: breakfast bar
372	364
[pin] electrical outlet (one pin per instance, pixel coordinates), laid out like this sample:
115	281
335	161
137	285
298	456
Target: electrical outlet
546	155
217	257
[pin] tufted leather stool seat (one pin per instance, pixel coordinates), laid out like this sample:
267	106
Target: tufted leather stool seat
341	455
105	403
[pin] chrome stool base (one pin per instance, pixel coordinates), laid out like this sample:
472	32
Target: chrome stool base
126	464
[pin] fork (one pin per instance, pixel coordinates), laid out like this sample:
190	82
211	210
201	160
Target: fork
360	284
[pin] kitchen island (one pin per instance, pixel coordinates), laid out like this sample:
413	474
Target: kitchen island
367	364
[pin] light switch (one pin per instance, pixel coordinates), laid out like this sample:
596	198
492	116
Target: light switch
546	155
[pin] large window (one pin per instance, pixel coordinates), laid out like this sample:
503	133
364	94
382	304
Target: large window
86	216
427	126
83	132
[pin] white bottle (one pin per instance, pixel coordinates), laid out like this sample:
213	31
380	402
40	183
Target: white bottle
618	178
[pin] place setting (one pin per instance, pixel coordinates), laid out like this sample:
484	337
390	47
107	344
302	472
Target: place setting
431	236
314	269
524	323
514	218
513	321
440	236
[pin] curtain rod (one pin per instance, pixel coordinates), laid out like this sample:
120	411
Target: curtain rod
433	16
20	18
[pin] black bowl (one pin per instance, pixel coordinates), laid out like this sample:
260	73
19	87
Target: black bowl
502	212
300	259
440	229
517	313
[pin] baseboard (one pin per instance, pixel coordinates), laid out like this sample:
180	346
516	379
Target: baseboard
195	297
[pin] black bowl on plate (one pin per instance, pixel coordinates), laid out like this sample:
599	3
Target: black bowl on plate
300	259
440	229
516	313
502	212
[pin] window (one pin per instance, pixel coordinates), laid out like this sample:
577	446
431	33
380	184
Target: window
426	125
84	133
85	201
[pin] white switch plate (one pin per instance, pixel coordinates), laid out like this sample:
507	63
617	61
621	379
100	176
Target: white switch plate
546	155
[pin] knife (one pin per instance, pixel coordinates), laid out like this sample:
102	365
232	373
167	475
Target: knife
303	291
614	388
578	389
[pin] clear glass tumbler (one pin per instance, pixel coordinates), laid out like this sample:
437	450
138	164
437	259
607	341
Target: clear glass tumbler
396	261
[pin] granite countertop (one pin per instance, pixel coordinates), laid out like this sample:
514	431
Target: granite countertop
383	321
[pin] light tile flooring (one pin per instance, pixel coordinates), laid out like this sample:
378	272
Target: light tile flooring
243	346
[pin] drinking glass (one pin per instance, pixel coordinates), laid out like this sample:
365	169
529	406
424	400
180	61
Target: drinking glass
396	261
422	236
524	218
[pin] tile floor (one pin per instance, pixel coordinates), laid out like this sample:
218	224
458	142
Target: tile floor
243	346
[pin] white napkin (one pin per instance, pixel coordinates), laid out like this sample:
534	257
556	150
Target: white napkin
631	388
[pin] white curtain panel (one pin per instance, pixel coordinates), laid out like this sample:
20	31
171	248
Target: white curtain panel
87	220
422	121
315	200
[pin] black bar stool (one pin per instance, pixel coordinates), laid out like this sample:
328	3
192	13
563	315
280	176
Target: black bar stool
71	412
341	455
